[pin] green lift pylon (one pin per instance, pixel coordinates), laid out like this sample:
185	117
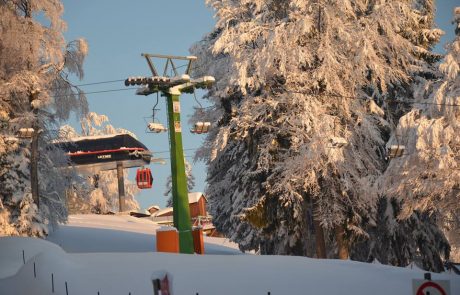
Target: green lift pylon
172	88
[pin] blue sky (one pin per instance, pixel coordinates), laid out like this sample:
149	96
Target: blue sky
118	32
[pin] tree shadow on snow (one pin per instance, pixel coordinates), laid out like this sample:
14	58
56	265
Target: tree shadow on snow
88	240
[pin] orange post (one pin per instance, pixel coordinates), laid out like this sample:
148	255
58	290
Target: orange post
168	240
198	240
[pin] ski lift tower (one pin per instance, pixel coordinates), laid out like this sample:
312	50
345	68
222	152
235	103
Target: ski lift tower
172	86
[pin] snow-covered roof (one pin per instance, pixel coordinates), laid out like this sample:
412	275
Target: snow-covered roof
163	211
153	207
100	143
192	198
195	197
91	154
74	139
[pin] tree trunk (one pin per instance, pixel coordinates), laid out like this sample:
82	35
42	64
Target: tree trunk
34	167
319	238
342	245
96	180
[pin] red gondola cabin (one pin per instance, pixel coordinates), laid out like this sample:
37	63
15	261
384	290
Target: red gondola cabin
144	178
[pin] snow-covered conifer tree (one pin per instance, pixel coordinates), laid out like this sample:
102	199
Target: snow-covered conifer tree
427	177
301	114
392	240
34	93
190	183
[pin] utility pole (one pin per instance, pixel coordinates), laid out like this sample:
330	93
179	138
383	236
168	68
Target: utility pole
172	88
121	187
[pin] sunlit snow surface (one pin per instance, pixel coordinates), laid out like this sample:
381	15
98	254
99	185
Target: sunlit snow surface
112	233
114	255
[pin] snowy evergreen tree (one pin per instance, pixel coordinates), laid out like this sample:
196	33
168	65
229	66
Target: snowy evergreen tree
427	177
306	93
415	239
190	183
99	193
34	93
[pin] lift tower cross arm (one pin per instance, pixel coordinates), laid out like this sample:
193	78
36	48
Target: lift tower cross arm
172	88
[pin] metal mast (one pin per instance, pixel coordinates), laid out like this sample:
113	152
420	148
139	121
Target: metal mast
172	88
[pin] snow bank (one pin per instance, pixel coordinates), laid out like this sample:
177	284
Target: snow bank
17	250
115	255
115	273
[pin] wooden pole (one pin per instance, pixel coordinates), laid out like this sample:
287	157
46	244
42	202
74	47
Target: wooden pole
121	187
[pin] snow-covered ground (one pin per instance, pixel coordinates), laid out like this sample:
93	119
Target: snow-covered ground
115	255
119	233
